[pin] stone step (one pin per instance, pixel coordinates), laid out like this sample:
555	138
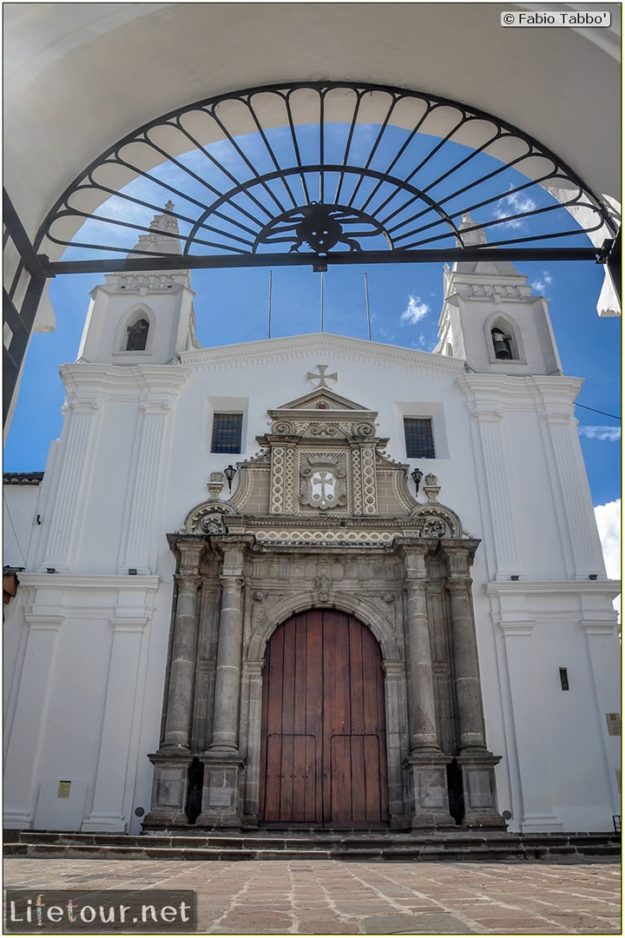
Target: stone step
256	843
240	846
284	838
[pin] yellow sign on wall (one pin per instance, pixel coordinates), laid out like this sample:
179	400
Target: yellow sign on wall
64	789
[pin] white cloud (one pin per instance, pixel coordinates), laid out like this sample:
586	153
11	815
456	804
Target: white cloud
608	518
612	434
415	311
545	280
514	204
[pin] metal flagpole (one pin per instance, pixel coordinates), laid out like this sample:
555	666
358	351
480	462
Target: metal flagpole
367	306
322	299
269	307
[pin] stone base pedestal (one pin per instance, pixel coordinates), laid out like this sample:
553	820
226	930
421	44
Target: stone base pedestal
428	798
222	805
480	795
97	824
170	789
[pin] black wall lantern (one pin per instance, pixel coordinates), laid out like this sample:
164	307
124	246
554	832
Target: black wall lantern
230	473
416	475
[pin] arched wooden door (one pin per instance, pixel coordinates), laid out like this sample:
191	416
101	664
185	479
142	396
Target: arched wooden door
323	743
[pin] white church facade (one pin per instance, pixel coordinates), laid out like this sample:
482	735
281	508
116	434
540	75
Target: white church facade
315	639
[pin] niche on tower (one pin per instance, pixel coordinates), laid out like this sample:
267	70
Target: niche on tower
136	331
503	339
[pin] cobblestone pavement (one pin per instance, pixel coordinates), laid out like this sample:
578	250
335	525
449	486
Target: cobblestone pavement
326	897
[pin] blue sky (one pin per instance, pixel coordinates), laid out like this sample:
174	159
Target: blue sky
405	300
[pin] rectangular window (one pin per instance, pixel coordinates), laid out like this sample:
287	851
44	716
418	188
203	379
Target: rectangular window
564	678
419	437
226	433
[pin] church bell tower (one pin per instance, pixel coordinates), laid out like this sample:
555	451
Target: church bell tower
491	318
144	318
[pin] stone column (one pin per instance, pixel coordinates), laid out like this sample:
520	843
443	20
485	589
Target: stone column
476	762
179	702
396	740
466	664
253	677
171	762
228	675
422	712
221	800
426	764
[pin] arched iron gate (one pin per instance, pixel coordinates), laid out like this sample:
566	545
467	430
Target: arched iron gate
310	173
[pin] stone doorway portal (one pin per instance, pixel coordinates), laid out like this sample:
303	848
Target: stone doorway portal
323	744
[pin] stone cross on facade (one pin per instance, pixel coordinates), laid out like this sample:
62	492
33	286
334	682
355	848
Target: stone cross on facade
322	377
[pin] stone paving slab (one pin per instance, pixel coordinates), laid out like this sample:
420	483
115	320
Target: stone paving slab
329	897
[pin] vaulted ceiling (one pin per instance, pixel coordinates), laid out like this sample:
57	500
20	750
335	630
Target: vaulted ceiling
80	76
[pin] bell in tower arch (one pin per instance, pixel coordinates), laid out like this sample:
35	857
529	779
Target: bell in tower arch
502	344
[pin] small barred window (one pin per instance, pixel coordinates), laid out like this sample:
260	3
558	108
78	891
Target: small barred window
227	433
419	437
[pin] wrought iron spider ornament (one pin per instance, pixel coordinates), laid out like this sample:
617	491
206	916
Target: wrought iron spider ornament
320	227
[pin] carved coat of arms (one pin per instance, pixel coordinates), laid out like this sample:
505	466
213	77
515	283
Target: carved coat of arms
322	483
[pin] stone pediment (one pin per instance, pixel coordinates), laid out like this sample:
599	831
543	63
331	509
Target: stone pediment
322	414
320	399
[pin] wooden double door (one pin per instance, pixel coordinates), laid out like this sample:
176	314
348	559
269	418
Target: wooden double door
323	743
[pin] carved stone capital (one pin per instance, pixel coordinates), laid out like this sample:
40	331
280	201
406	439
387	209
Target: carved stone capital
394	670
233	560
487	414
81	405
190	554
155	406
254	669
188	580
459	563
414	564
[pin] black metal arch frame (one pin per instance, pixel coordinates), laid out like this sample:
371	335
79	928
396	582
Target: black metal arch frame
255	199
316	208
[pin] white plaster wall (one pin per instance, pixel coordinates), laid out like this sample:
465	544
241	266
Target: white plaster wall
575	732
541	540
65	680
557	738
